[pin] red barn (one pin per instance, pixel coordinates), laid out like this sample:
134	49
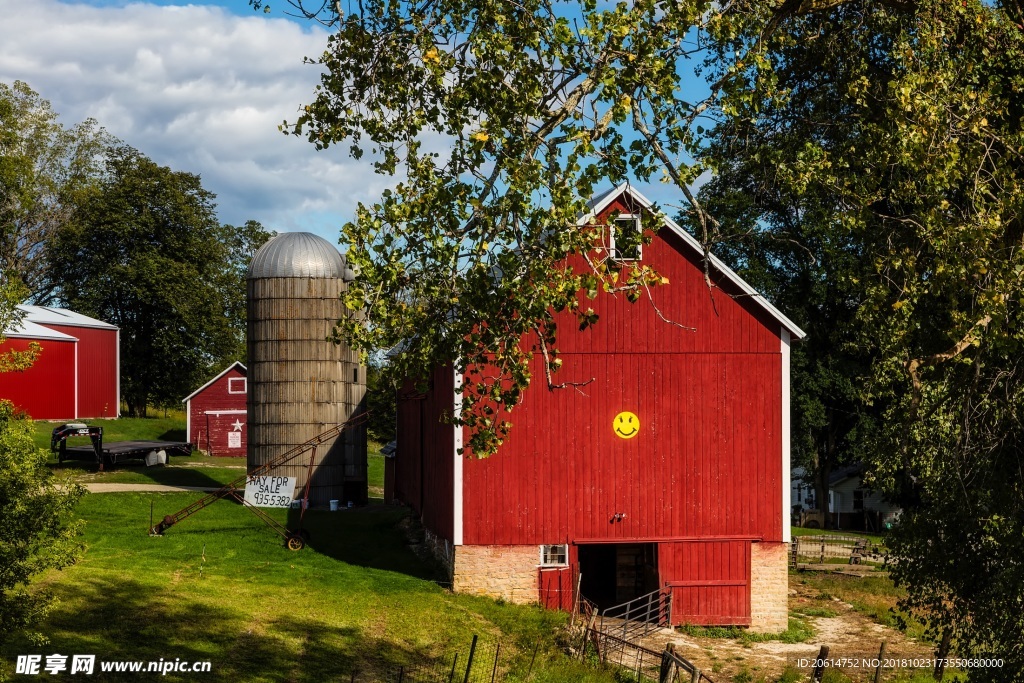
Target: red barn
77	375
216	414
670	470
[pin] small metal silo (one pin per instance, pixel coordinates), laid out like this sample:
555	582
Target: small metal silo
300	385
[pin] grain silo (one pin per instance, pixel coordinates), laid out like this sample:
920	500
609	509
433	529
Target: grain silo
299	384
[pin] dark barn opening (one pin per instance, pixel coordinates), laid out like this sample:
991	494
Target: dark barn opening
614	573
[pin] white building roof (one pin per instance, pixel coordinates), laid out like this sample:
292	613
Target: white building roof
30	330
48	315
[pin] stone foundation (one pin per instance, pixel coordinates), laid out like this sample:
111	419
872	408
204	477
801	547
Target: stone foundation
769	587
497	571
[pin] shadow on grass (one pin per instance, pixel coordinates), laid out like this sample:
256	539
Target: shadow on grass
172	435
136	471
127	620
374	536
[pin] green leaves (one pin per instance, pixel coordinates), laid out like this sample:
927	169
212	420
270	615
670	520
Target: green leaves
886	142
500	122
38	531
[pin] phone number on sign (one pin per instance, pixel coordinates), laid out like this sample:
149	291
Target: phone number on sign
894	663
265	500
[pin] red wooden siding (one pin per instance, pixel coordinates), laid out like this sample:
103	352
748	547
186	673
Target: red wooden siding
424	458
556	587
97	369
46	391
722	323
211	416
703	477
710	581
706	461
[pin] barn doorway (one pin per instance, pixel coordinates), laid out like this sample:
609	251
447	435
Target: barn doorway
614	573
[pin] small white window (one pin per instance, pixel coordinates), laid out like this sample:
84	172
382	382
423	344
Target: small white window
625	238
554	555
236	385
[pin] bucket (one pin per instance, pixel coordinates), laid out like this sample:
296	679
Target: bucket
334	505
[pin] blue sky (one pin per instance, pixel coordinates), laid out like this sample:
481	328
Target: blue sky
202	88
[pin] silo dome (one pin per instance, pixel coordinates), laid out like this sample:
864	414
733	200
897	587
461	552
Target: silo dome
299	254
300	384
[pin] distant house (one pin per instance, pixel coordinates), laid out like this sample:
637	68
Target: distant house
854	506
217	413
77	374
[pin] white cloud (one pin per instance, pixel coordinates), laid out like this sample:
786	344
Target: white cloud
197	89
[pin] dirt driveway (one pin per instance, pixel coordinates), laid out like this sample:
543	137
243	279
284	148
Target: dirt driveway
849	634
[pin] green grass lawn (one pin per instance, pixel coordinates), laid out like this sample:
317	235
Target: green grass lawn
221	587
801	531
171	428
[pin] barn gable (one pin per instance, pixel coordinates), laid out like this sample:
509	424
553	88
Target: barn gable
694	501
216	413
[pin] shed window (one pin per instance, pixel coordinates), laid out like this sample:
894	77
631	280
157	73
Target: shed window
554	555
858	500
625	243
236	385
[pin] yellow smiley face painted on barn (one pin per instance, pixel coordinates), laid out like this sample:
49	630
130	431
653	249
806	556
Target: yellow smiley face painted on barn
626	425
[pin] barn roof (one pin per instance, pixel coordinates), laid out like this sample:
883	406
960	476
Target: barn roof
49	315
30	330
603	200
219	375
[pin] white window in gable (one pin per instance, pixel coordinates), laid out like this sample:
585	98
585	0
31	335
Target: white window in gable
554	555
625	238
236	385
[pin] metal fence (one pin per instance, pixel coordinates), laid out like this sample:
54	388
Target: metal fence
479	662
614	638
835	549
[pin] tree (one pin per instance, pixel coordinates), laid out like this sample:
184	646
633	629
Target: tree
895	129
882	134
38	531
534	104
145	251
44	169
785	245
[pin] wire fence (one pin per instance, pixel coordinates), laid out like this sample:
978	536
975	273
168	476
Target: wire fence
479	662
835	549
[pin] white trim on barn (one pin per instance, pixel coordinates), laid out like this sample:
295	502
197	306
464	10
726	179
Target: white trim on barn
601	203
188	421
117	350
76	381
457	463
222	373
786	490
225	412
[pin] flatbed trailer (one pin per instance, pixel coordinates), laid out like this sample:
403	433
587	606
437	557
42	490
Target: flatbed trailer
110	453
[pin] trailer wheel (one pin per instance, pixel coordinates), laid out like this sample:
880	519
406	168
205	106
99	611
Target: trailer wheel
296	543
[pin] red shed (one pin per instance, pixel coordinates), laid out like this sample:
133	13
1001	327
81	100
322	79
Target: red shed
669	471
77	375
216	413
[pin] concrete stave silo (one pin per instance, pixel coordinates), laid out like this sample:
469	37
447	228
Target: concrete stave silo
300	385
